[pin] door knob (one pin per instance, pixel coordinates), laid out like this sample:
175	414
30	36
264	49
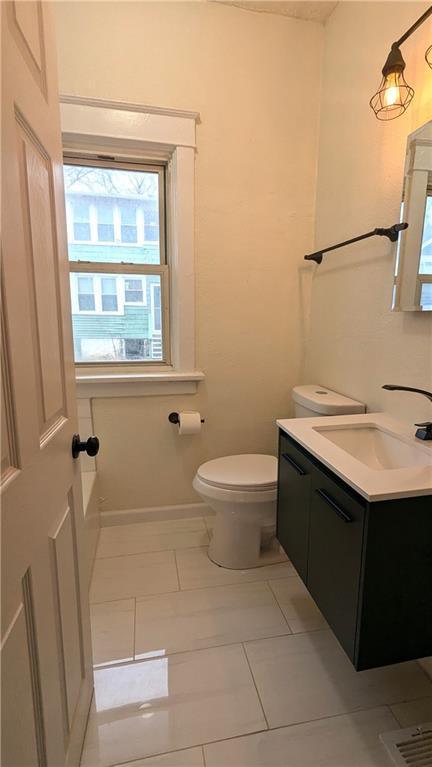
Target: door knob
91	447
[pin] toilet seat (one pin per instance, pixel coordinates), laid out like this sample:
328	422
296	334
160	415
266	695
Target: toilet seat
249	473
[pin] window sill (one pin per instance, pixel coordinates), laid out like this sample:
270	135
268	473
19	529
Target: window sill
123	384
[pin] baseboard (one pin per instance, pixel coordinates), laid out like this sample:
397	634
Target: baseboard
154	514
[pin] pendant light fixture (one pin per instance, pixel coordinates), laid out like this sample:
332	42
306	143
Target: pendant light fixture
394	94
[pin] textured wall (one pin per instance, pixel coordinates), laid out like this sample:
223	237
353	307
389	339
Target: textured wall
255	79
356	343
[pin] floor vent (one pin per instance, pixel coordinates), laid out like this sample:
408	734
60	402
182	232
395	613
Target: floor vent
411	747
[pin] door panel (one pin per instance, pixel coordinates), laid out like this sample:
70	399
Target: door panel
27	27
66	575
335	547
42	265
45	617
293	505
9	447
19	741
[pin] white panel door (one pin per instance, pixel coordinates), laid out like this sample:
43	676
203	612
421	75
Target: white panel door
46	657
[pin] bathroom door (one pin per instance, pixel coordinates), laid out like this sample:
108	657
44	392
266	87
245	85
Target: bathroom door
45	651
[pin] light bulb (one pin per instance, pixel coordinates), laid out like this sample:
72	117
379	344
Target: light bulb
391	95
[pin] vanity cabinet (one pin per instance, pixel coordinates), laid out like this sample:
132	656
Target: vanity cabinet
367	565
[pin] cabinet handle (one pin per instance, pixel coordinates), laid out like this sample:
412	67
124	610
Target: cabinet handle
340	512
295	465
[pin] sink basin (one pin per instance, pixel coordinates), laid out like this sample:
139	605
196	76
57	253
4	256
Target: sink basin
375	447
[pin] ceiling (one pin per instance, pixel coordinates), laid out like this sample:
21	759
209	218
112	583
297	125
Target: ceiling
311	11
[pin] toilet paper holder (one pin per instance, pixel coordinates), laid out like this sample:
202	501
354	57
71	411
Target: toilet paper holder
174	418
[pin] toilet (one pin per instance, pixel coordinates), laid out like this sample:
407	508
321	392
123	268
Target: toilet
242	489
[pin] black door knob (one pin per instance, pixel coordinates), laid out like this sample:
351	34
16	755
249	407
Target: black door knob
91	447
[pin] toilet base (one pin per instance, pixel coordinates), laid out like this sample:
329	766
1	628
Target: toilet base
237	546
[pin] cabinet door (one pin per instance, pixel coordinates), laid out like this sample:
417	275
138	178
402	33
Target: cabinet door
335	548
293	504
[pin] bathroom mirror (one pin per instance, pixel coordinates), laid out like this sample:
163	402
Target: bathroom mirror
413	271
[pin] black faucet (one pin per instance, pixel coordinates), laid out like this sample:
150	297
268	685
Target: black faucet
425	430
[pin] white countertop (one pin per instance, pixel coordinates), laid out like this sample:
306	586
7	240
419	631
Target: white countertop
372	484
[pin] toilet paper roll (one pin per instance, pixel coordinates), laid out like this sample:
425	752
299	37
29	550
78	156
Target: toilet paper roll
189	422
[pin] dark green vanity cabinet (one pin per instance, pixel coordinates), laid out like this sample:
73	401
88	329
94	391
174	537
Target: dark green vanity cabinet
367	565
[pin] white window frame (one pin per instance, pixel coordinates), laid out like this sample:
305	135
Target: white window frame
152	304
95	126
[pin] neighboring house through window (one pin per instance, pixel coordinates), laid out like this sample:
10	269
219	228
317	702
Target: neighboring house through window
119	272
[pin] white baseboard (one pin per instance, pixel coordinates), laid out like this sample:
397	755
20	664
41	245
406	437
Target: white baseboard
154	514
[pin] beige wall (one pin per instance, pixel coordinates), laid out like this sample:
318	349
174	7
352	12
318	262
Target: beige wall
255	79
356	344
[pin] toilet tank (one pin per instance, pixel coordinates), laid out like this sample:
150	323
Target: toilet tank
313	400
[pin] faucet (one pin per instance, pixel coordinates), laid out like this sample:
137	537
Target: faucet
425	430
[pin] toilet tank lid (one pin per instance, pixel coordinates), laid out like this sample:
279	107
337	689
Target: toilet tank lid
324	401
240	471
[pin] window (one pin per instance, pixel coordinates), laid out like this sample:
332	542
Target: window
105	221
425	265
128	216
109	294
81	219
86	296
134	291
113	261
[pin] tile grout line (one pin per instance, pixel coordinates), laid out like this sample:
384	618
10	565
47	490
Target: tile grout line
234	643
150	551
203	755
388	707
262	731
279	606
255	685
197	588
425	673
177	572
301	723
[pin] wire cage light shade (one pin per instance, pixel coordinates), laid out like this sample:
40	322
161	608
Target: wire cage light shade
392	97
428	56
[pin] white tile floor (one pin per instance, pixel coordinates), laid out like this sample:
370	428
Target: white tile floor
204	667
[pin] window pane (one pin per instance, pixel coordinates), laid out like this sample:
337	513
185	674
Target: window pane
132	334
109	294
156	307
134	292
86	299
81	220
86	303
109	303
426	248
426	296
109	285
105	220
128	218
81	231
85	284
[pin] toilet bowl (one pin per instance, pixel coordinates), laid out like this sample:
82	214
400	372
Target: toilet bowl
241	490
